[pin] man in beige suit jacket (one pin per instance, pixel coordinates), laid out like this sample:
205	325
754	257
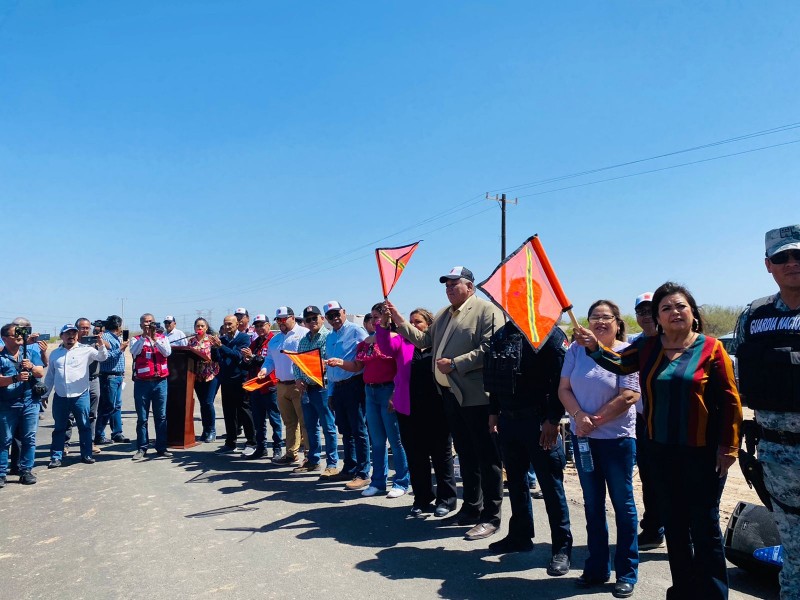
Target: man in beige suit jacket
459	337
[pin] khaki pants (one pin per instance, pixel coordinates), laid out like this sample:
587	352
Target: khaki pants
290	405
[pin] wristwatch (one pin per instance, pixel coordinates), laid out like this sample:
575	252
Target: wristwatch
453	364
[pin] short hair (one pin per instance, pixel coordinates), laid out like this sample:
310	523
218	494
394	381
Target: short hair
147	315
78	321
22	322
6	329
113	322
368	317
617	316
667	289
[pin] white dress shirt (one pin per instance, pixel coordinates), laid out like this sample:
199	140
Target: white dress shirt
68	371
177	338
280	362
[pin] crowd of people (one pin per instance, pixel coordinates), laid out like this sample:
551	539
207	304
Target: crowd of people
417	385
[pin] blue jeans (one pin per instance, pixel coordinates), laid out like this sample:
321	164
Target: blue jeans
110	409
317	414
348	406
382	427
206	393
613	467
265	408
146	393
24	418
79	407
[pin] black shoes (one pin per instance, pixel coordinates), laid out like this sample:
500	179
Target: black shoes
559	565
87	460
120	439
622	590
511	544
27	478
54	463
441	510
650	541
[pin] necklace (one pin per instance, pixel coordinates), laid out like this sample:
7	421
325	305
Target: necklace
684	345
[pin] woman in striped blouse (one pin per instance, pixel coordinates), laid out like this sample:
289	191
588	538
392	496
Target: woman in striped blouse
694	418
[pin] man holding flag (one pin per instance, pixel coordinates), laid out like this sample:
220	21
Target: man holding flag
459	336
316	411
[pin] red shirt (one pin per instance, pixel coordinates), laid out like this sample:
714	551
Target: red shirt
378	368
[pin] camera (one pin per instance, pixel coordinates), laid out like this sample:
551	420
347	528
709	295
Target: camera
23	331
89	339
99	323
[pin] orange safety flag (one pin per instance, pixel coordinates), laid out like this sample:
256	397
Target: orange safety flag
309	362
255	384
526	288
391	262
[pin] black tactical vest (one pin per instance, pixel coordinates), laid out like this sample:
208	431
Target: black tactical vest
769	358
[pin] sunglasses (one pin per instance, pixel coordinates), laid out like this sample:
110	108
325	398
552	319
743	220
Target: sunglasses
311	319
282	319
781	258
334	314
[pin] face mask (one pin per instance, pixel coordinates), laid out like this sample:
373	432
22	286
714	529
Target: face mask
200	333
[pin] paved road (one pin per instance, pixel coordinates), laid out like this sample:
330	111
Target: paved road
203	525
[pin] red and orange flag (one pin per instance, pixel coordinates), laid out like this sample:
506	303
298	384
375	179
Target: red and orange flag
526	288
309	362
391	262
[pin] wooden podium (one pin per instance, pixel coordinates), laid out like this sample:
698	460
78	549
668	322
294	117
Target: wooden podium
180	396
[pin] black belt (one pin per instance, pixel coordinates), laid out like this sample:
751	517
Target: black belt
93	377
787	438
288	382
377	385
313	386
112	374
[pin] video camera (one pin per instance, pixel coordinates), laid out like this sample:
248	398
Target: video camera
22	330
100	323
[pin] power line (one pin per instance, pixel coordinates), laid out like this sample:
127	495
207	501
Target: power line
686	164
739	138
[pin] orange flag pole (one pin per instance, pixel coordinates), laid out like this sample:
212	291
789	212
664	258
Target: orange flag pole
551	277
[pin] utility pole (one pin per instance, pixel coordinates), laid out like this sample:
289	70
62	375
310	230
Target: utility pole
503	201
122	310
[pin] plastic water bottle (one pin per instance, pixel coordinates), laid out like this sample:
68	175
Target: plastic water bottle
456	468
585	455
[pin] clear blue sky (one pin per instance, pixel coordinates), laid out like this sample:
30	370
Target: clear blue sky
208	155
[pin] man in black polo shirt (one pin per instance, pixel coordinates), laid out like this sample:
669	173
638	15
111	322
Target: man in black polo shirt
525	410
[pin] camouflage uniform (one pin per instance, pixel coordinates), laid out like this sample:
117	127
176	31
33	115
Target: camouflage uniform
782	478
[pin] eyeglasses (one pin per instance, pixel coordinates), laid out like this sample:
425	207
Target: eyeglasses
781	258
333	314
643	312
282	319
311	319
602	318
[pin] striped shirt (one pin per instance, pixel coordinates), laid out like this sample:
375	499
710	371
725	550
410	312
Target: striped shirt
309	343
691	400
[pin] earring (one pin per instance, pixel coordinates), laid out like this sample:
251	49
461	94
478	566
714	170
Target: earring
659	329
695	325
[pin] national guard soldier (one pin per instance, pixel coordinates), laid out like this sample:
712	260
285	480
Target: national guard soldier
768	351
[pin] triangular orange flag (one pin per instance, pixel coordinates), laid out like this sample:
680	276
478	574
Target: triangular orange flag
255	384
391	262
526	288
309	362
